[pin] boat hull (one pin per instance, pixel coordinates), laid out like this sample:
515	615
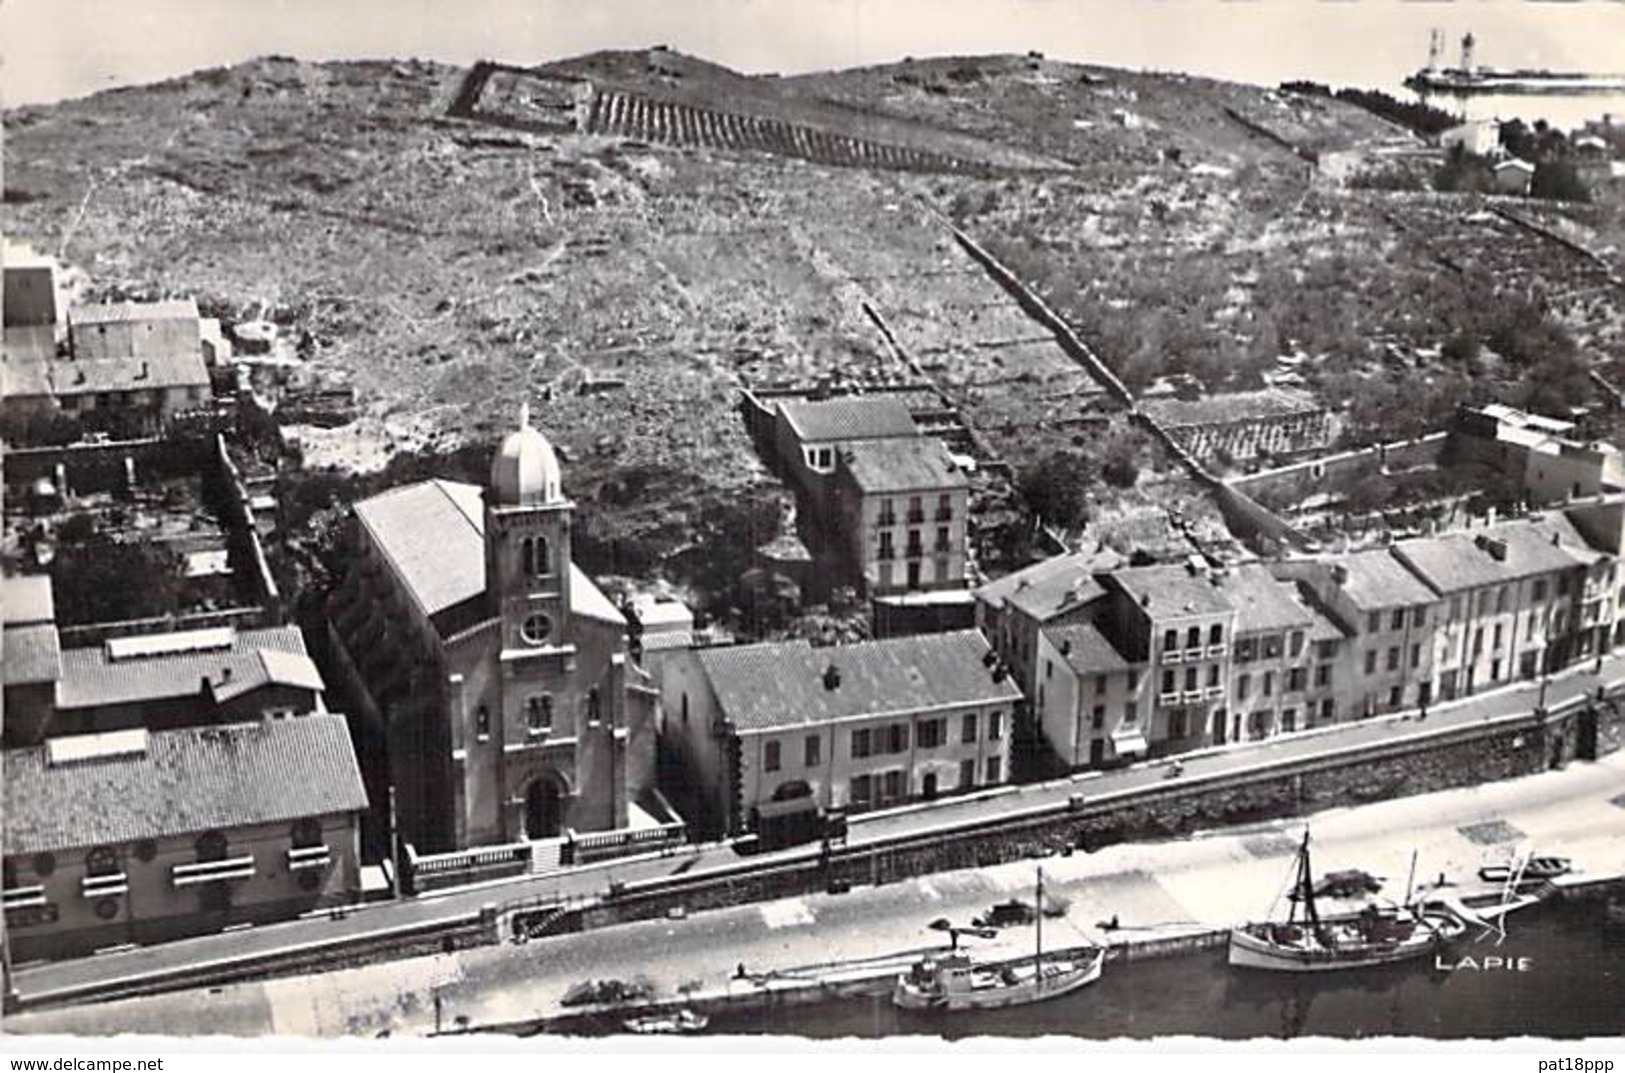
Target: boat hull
1064	973
1250	951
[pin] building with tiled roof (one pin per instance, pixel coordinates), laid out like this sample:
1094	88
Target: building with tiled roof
775	734
901	507
1011	610
844	420
1539	452
498	673
142	836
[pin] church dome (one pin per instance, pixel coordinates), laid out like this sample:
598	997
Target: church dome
525	470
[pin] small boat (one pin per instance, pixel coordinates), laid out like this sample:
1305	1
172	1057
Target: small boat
1309	942
956	981
682	1023
1534	868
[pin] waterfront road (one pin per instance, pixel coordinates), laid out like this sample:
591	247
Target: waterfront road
1155	890
41	981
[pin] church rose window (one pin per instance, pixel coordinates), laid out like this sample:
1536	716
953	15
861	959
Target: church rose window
536	629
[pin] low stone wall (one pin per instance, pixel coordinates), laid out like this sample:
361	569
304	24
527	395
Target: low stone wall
1463	756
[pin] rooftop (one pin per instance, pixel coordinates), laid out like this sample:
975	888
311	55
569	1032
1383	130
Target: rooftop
433	533
1264	604
132	312
32	654
762	687
1224	409
1377	581
1457	562
112	673
1173	590
1087	650
1045	588
858	417
26	599
176	783
915	463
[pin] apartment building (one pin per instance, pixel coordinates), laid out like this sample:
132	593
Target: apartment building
769	737
901	507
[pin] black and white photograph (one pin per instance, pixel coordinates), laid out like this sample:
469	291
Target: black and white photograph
946	525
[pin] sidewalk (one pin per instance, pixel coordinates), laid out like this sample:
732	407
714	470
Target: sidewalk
589	882
1156	890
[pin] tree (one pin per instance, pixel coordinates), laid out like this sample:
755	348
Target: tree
1056	487
103	580
1556	180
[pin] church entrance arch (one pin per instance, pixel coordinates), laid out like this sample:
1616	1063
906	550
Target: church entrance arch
544	808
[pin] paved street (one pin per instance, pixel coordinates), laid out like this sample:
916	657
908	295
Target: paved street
1155	889
586	882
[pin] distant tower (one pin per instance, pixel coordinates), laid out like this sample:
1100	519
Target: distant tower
1435	50
527	542
1467	53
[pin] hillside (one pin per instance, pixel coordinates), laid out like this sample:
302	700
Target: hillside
445	267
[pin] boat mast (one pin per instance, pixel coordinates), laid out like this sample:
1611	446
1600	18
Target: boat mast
1410	880
1306	887
1038	931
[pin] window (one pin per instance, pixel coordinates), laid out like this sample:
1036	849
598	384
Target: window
1419	617
1323	675
1243	684
1531	634
916	512
1049	669
210	846
1271	647
1133	681
1193	637
1397	620
1245	650
1170	640
685	709
898	733
1215	634
895	788
102	861
1190	677
770	756
860	743
1296	643
535	556
482	724
1129	712
812	751
942	538
945	507
1496	642
1540	590
1167	681
967	774
1098	720
1213	675
1373	622
967	732
1289	720
539	713
1501	599
993	766
306	833
1328	709
1478	640
1371	662
1416	656
1393	658
860	791
930	732
995	728
1269	683
1455	608
1297	679
886	550
1176	724
1100	684
536	629
888	514
1396	696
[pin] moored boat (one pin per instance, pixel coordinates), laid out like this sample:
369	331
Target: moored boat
1547	867
1309	942
683	1022
956	981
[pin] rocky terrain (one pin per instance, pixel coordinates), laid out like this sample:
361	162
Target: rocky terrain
445	267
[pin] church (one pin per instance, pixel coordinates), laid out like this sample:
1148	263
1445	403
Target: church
494	673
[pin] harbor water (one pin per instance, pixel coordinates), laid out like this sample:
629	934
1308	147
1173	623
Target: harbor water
1560	973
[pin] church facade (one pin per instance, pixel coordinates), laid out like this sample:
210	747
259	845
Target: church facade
496	673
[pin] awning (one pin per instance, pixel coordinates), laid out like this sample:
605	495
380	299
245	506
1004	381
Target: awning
768	810
1127	740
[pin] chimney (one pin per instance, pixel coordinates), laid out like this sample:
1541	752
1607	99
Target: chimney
832	677
144	373
225	674
1340	574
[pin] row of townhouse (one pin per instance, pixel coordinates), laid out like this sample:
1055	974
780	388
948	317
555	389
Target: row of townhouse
1155	660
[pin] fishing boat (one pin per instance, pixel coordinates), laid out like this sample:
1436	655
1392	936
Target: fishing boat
957	981
1309	942
682	1023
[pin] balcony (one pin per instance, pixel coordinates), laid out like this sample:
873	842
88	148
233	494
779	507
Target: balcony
944	514
109	885
1216	651
1168	698
1192	695
915	551
916	517
1172	655
187	875
886	521
886	554
1215	692
301	858
1194	654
